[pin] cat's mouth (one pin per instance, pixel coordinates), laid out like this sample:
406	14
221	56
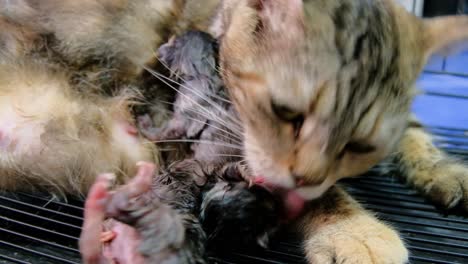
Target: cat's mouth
295	199
293	203
302	189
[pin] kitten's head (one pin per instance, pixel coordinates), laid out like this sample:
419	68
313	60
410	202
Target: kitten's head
191	54
323	87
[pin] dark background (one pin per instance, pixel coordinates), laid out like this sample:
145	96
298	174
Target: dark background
444	7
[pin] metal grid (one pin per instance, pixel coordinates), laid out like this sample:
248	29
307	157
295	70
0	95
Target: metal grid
36	229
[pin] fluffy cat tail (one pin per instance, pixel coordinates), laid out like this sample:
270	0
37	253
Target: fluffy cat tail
446	33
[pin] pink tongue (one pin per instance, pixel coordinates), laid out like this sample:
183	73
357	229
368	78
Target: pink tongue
294	204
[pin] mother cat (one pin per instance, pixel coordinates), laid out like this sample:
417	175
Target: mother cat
324	89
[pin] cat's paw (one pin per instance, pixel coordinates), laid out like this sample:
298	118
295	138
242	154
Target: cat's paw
359	240
448	186
439	177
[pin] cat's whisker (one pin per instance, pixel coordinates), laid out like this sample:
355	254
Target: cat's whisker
201	95
163	63
234	138
216	68
167	103
204	97
163	79
231	126
230	137
199	141
227	155
185	81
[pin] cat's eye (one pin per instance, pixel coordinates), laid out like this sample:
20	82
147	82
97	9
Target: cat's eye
286	114
358	147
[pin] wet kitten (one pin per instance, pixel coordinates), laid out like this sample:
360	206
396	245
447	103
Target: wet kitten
323	89
77	52
194	204
187	208
203	114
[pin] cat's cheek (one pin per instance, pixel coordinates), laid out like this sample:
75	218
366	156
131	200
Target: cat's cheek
316	191
354	164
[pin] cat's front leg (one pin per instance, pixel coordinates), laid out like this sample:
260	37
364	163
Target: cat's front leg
338	230
441	178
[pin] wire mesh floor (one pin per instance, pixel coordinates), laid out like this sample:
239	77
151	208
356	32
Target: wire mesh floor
36	229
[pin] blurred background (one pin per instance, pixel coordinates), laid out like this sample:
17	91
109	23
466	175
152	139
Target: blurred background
445	79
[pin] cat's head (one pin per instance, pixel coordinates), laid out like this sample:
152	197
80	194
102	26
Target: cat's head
323	88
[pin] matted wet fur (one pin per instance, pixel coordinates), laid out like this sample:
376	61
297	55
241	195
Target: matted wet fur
194	204
177	217
204	123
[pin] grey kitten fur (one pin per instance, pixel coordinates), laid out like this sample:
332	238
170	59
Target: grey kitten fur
192	207
196	203
202	112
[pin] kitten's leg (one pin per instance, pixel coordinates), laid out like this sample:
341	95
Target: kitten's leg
175	128
338	230
441	178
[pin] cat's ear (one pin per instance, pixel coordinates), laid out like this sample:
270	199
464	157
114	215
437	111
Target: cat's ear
280	15
445	34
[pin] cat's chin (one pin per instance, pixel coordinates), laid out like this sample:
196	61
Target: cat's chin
306	192
312	192
295	199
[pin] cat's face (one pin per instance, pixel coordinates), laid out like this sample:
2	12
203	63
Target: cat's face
322	87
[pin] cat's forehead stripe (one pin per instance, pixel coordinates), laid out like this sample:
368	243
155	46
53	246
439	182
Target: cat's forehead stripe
366	36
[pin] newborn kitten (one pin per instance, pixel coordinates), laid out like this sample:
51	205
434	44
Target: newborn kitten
202	113
235	215
159	222
189	208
